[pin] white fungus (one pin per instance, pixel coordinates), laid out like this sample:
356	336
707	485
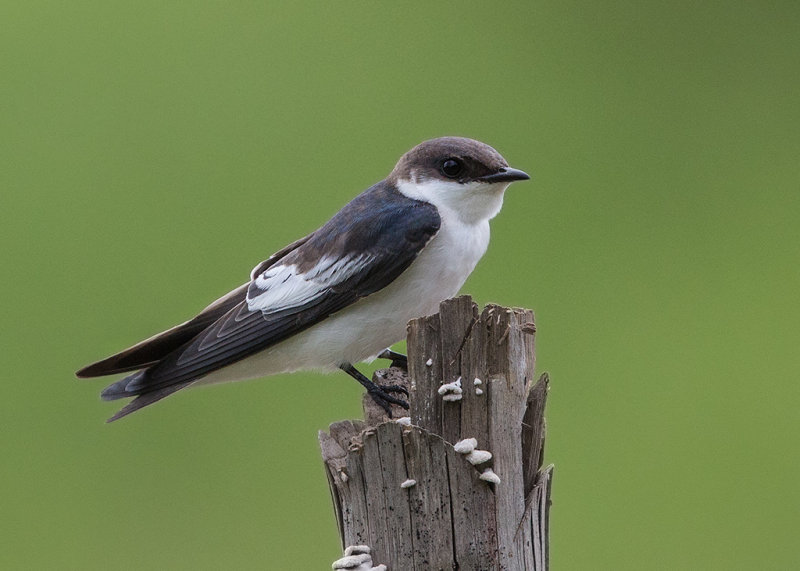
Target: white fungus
357	558
478	391
354	562
489	476
477	382
343	475
404	420
429	362
451	391
408	483
466	446
479	457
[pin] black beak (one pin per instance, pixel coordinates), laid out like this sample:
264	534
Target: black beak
506	174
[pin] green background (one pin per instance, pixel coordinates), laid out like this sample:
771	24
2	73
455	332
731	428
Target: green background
152	153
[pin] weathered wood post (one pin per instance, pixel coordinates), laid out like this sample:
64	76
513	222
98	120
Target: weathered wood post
457	485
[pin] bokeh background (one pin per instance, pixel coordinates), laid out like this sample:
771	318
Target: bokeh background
154	152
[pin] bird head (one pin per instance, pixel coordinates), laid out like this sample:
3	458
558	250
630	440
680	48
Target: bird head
457	174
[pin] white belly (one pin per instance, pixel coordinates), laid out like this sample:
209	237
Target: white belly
362	330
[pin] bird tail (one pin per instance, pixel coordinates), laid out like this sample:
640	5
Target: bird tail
119	390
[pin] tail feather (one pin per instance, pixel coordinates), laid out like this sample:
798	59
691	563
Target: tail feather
121	390
146	399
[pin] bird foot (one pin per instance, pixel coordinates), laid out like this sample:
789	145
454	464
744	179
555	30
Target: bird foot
381	394
398	359
382	397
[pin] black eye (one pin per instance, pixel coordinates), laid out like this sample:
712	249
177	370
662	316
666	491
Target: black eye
451	168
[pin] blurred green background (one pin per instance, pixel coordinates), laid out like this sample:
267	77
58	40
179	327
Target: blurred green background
153	153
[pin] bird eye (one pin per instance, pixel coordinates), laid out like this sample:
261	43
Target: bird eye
451	168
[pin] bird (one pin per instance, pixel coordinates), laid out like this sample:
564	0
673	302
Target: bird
341	295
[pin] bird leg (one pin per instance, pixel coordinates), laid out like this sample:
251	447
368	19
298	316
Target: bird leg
379	393
398	359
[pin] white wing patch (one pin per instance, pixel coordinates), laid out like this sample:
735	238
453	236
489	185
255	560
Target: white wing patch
282	286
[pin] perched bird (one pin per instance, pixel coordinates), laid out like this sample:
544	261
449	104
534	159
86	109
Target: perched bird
342	294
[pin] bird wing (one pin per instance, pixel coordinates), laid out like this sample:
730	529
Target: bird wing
325	274
151	350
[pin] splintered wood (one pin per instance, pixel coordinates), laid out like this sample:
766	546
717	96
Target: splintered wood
403	487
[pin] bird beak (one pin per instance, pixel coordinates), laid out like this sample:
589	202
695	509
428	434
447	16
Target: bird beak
506	174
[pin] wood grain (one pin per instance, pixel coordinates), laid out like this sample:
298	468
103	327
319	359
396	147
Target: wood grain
450	518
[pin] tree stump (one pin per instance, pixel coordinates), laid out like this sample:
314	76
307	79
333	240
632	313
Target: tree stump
456	484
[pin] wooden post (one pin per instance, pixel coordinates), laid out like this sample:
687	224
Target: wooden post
417	491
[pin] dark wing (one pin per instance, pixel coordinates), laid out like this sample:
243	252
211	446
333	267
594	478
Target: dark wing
151	350
361	250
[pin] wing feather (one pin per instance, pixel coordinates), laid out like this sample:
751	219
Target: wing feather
153	349
326	272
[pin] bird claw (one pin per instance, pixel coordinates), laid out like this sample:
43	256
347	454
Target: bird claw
393	389
380	394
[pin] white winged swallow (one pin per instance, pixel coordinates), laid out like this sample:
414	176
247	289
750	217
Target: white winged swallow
342	294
